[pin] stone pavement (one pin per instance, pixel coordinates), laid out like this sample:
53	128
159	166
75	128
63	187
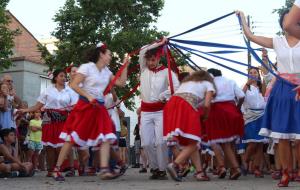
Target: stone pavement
132	180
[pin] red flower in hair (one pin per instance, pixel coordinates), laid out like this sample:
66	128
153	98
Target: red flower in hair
104	46
68	69
101	45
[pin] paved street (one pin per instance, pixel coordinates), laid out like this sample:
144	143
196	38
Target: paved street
132	180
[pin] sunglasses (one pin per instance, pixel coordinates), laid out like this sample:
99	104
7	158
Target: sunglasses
9	81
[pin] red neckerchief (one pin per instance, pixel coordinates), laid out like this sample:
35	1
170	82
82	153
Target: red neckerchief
156	69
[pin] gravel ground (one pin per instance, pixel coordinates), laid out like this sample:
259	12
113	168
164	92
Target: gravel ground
132	180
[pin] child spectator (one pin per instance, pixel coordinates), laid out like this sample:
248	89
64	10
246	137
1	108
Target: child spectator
9	167
35	138
122	141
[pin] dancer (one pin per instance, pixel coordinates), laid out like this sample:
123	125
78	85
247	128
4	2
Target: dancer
89	123
281	117
225	124
154	92
56	100
182	119
254	105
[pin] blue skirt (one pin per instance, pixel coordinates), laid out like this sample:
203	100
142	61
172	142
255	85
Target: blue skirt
252	132
281	119
241	147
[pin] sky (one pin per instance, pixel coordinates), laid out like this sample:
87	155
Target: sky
177	16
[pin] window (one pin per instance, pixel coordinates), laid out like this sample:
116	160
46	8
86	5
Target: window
45	83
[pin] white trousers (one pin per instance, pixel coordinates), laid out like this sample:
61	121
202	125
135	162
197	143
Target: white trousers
152	139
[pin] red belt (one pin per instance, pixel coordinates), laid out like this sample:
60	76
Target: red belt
152	107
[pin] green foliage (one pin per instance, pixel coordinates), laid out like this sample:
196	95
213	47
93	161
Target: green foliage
6	37
124	25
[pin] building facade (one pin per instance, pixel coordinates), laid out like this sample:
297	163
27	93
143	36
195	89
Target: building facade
28	71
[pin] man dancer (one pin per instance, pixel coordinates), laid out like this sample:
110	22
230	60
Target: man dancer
154	92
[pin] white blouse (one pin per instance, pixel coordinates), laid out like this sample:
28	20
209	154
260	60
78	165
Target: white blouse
113	112
227	90
52	98
95	81
288	58
254	99
73	94
155	86
196	88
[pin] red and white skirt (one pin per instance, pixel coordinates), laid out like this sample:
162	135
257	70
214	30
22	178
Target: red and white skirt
88	125
225	123
53	123
50	134
182	121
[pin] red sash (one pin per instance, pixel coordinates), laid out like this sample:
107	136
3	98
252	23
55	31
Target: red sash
152	107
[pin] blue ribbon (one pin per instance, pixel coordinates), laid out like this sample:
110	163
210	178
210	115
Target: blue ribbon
223	58
229	68
223	52
192	67
207	44
186	57
203	25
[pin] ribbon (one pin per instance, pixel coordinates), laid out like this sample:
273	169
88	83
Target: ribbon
186	57
223	58
207	44
217	63
203	25
126	96
167	53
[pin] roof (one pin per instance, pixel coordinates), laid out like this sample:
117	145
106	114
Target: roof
25	43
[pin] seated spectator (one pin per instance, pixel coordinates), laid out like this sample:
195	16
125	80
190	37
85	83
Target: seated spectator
8	166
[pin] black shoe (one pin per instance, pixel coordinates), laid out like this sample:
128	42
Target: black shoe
123	170
136	166
162	175
153	170
143	170
154	173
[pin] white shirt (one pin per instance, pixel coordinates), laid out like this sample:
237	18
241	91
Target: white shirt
95	81
288	58
73	94
254	99
109	101
297	3
52	98
113	113
227	90
155	86
196	88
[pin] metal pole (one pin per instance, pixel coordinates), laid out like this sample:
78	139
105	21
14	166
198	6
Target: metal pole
248	41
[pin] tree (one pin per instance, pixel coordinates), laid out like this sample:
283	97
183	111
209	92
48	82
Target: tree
6	37
124	25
